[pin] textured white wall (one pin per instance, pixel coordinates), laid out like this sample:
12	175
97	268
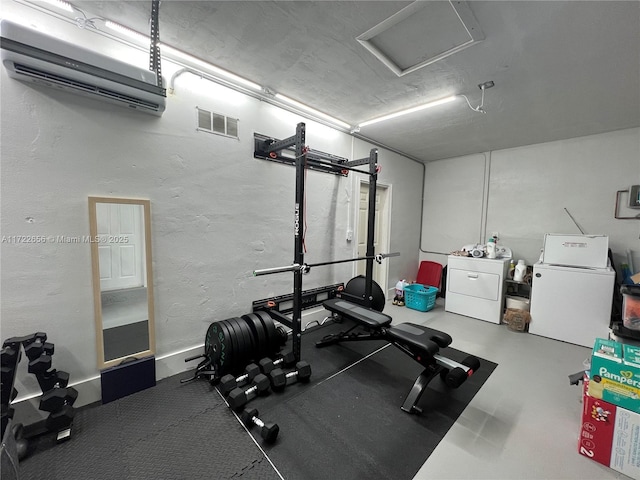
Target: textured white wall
525	190
217	212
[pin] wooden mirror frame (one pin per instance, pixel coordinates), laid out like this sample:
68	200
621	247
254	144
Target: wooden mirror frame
97	293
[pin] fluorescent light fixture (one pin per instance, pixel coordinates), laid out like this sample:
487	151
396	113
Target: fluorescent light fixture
315	112
126	31
60	4
207	66
409	110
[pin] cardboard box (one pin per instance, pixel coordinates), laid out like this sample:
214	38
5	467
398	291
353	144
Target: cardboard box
615	374
517	320
610	435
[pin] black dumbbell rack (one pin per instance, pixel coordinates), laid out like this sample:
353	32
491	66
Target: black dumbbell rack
57	399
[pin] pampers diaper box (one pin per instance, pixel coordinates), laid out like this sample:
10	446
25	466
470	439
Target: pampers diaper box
615	374
610	435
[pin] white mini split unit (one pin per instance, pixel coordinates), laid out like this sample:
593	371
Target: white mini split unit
32	56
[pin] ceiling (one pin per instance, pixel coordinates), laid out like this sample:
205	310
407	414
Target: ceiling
561	69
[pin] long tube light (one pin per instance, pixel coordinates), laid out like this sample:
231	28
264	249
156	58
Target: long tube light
126	31
313	111
217	70
212	68
409	110
60	4
185	56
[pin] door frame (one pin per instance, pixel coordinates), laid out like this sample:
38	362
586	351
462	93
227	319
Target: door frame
384	237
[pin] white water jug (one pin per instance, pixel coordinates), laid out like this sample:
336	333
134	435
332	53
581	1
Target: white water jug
521	270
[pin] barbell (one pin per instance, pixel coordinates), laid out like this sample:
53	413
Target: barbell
305	267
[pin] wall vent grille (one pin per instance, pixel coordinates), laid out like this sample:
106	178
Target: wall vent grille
217	123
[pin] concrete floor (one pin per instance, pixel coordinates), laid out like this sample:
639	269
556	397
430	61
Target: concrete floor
524	422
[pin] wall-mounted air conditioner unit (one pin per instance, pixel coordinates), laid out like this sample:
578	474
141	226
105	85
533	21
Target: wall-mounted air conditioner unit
33	56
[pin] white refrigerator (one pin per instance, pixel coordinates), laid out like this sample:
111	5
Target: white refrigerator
571	304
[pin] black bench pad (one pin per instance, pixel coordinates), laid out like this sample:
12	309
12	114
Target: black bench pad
370	318
423	338
417	336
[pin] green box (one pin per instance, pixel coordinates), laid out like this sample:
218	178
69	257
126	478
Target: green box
615	374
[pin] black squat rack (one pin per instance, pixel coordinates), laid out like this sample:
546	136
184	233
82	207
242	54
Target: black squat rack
303	158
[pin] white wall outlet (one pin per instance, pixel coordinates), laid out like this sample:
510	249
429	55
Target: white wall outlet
349	235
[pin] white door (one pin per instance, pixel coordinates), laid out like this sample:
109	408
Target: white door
381	233
120	248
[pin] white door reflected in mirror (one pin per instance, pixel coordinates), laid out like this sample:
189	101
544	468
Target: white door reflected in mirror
123	290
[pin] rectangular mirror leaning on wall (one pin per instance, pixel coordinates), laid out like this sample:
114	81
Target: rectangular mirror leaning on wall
120	231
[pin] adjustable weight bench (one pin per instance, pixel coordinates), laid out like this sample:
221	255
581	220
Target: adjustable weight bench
419	342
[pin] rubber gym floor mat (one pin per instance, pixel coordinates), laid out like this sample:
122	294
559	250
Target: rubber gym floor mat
323	365
171	431
350	425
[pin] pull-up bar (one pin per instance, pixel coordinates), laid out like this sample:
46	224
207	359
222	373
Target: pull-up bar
304	268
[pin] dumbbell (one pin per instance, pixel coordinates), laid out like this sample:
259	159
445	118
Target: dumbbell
267	365
9	356
25	340
37	348
238	397
229	382
62	419
22	444
56	398
279	379
268	431
39	364
52	379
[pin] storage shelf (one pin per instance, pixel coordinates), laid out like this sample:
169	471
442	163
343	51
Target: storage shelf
518	289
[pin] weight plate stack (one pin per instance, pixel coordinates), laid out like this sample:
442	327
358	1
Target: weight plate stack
238	345
243	343
273	341
249	341
259	334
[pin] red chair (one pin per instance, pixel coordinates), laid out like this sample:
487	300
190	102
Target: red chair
430	273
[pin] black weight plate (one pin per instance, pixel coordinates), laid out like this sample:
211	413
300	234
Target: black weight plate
208	340
247	353
219	348
211	341
259	334
248	339
235	341
241	341
231	348
216	346
264	320
234	364
272	335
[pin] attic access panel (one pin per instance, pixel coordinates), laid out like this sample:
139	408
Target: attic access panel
422	33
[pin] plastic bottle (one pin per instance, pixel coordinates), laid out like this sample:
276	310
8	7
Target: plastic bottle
399	298
512	269
491	248
521	270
